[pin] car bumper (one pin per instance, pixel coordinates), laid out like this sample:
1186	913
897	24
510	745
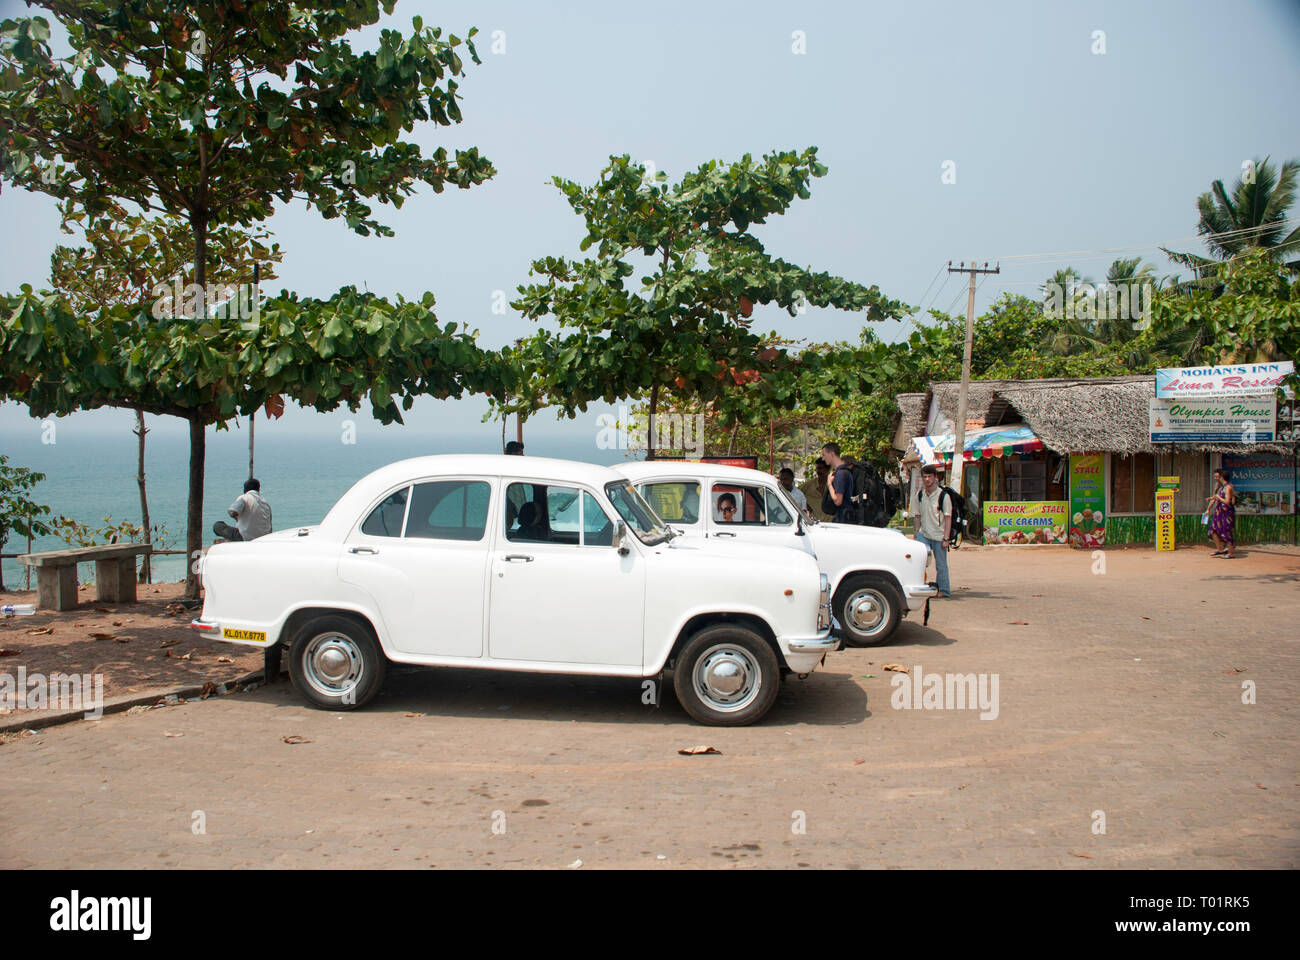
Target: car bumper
802	654
918	594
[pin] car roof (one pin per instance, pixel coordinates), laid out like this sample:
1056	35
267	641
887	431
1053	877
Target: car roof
365	491
645	469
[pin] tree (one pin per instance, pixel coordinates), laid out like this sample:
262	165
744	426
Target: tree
321	353
129	260
212	112
1254	215
18	512
686	326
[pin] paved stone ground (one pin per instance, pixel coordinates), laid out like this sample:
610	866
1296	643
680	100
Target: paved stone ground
1120	694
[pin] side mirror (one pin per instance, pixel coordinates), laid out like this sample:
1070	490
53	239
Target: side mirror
620	533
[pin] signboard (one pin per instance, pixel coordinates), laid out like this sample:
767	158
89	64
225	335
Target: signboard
1265	483
748	462
1234	380
1230	420
1288	421
1167	483
1029	521
1164	520
1087	500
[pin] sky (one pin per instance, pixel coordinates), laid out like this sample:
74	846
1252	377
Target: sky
1053	146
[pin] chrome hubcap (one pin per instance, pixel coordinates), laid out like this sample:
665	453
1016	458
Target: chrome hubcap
866	611
332	664
727	678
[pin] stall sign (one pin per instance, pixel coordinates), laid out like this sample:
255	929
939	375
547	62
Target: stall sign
1087	500
1031	521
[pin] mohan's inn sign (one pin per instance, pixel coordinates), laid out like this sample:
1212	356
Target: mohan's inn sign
1235	380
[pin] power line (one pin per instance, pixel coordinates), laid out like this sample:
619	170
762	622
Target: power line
1226	234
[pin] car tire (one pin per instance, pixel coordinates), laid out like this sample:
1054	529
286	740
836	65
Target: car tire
726	676
336	663
868	609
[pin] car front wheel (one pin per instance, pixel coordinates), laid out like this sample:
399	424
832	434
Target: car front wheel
727	676
868	609
336	663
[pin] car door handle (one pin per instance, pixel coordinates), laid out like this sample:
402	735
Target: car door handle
512	557
369	550
724	534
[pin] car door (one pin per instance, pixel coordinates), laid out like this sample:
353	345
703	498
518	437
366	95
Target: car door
561	592
421	552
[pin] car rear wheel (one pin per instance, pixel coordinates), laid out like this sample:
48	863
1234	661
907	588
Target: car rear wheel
726	676
336	663
868	609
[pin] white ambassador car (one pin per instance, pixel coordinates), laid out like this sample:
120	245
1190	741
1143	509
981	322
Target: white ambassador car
877	575
517	563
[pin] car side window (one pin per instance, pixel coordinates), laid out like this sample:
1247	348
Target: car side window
387	518
777	514
449	510
543	514
676	501
738	503
597	528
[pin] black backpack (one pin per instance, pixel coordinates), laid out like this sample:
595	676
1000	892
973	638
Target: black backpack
957	532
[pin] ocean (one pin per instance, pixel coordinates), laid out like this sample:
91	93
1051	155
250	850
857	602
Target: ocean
90	475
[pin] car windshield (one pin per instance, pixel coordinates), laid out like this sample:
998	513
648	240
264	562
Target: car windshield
636	513
794	510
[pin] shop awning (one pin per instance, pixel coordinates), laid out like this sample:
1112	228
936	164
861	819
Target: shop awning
982	443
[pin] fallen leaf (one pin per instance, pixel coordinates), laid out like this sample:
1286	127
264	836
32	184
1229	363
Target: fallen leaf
536	803
168	643
412	714
168	733
695	751
858	763
103	636
1234	671
296	739
183	656
575	865
1018	623
1261	786
895	667
9	653
41	630
1146	618
117	623
224	660
1086	856
104	610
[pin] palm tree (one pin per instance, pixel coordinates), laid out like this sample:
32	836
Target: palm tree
1255	214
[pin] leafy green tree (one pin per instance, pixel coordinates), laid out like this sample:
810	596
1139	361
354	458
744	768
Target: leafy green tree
212	113
686	324
1254	215
321	353
19	513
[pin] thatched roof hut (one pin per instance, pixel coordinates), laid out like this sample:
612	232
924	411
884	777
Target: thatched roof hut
1097	414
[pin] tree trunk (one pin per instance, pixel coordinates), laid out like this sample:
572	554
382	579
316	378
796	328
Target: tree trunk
194	514
650	424
731	444
146	563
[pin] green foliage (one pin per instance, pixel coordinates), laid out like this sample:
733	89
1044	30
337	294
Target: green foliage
685	327
321	353
213	112
78	534
19	513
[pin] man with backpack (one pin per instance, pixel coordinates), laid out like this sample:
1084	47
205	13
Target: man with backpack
839	490
933	521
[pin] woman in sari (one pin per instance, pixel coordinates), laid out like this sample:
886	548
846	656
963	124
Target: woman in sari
1222	507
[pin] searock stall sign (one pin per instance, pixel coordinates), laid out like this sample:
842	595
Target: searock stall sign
1227	420
1035	521
1236	380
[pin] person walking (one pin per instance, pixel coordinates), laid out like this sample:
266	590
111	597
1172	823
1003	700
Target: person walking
839	492
251	512
932	521
1222	507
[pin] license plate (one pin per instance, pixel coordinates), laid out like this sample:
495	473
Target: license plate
256	636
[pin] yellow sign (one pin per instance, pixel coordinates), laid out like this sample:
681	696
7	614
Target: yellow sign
1164	520
255	636
1167	483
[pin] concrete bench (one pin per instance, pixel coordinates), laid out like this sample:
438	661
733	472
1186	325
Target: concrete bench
56	573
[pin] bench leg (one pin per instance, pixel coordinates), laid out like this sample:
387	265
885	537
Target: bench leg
56	587
115	580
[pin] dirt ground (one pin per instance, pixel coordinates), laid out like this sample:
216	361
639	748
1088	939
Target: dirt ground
137	647
1148	716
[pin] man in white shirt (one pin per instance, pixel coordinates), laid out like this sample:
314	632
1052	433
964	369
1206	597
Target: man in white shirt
786	479
251	512
933	522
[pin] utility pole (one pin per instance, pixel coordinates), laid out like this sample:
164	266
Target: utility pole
959	441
